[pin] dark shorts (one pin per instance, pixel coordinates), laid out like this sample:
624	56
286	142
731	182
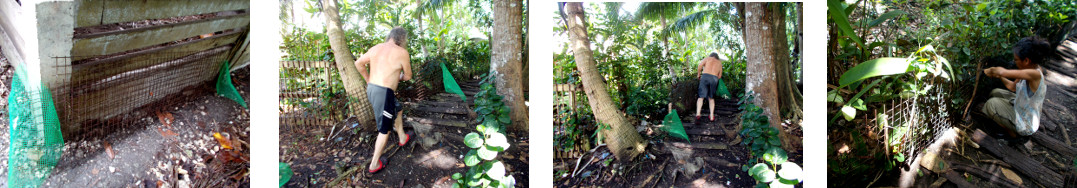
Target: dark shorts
708	84
383	100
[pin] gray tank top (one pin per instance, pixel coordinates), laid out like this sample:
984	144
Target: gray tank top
1027	105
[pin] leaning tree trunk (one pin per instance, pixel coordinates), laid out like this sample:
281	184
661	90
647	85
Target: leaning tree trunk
506	58
762	25
353	84
621	137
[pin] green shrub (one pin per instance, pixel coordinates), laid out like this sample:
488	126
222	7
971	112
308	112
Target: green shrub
485	170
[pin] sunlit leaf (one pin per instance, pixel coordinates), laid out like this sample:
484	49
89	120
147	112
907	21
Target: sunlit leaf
873	68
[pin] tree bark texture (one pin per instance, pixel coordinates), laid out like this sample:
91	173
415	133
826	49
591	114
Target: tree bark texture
506	58
354	85
621	137
762	24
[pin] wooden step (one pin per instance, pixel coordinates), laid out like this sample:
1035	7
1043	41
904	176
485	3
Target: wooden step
437	121
1022	163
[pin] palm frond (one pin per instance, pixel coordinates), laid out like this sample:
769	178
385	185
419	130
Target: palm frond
690	22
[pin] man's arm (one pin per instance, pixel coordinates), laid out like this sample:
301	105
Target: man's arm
406	66
720	66
699	69
361	64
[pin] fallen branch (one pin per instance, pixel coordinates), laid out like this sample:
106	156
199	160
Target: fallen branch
577	171
991	177
975	86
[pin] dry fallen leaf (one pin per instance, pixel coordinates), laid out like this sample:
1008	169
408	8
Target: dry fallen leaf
166	133
1012	176
108	149
165	118
225	143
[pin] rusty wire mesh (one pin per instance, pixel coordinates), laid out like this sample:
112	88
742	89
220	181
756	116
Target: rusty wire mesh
307	95
95	98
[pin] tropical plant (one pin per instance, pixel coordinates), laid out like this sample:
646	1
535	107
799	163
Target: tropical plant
757	132
485	170
769	175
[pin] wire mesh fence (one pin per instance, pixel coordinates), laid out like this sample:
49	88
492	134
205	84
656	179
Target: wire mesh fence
97	97
307	95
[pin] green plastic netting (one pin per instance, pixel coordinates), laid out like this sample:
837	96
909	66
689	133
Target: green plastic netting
722	91
672	125
285	174
225	87
450	83
34	127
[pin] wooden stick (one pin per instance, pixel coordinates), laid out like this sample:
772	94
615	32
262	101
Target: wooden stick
979	71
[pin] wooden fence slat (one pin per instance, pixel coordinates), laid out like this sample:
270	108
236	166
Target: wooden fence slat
111	68
123	42
100	12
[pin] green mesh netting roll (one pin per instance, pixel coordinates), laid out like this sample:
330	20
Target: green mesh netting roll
722	91
285	174
672	125
34	127
450	83
225	87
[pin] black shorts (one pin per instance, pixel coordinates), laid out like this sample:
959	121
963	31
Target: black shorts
383	100
708	84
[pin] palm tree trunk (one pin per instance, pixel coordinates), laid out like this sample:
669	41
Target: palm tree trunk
767	52
353	84
621	137
506	58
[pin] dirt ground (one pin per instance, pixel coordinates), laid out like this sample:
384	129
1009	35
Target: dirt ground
318	156
183	153
658	166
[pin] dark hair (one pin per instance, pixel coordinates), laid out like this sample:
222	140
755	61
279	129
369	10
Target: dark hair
715	55
399	36
1034	48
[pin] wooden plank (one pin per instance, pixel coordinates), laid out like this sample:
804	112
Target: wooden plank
93	72
957	179
1066	151
123	42
707	132
437	121
702	145
1023	164
443	110
994	179
100	12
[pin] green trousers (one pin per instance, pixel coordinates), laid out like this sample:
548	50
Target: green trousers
1000	108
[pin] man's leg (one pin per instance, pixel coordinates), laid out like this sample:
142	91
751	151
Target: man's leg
399	126
712	108
379	145
699	106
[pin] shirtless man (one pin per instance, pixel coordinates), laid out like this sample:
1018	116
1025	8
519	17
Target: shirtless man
389	64
710	70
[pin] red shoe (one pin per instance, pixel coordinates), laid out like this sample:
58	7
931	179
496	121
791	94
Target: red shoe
697	120
712	118
380	166
407	137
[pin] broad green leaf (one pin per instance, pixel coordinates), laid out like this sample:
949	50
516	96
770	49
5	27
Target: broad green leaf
775	155
832	96
457	185
873	68
848	112
471	158
790	171
499	141
457	176
473	140
779	184
886	16
837	14
508	182
497	170
487	153
504	118
761	172
858	104
900	157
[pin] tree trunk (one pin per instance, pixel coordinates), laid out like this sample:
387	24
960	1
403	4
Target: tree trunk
506	58
621	137
354	85
765	49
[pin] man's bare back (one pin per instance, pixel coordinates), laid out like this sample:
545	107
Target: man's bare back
386	61
712	66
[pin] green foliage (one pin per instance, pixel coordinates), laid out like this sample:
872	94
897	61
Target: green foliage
767	173
484	168
756	130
